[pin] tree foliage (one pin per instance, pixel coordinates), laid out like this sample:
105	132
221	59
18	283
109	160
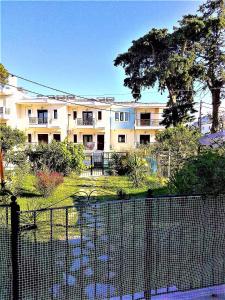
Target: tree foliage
161	58
174	146
174	61
206	33
201	174
10	138
4	74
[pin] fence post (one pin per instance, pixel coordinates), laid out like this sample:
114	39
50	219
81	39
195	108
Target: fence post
148	265
15	208
91	165
103	165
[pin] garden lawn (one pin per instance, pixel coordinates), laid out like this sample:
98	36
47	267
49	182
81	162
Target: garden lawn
104	188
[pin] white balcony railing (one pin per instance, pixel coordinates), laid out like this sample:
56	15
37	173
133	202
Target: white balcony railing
4	112
85	122
38	121
148	122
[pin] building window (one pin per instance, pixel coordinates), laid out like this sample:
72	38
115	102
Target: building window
121	138
55	114
57	137
29	112
74	115
144	139
122	116
75	138
99	115
29	138
87	138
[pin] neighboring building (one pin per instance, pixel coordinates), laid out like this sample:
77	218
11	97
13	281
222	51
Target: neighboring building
101	125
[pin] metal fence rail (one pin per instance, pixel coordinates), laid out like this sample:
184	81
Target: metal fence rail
136	248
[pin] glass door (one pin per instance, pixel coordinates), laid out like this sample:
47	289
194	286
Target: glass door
42	116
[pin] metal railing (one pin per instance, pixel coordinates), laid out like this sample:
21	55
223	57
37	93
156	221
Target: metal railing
148	122
38	121
85	122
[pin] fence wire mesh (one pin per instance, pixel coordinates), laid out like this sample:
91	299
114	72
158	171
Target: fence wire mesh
129	249
5	254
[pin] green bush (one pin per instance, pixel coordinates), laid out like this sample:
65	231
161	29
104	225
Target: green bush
118	164
138	169
15	182
201	174
57	157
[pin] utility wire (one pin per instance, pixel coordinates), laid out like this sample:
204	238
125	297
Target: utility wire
74	103
81	96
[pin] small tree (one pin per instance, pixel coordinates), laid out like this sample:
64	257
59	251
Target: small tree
10	138
175	145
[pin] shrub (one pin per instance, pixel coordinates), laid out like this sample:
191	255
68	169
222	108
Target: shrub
47	182
201	174
57	157
138	169
15	178
118	164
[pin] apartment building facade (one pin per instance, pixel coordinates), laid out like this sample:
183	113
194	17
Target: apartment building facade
100	125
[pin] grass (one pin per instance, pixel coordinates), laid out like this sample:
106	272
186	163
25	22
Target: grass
104	188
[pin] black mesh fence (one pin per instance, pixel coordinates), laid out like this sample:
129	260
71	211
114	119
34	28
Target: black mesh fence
131	249
5	253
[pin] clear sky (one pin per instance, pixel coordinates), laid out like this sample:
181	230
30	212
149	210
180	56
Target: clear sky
71	45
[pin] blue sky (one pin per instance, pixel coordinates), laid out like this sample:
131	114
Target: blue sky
71	45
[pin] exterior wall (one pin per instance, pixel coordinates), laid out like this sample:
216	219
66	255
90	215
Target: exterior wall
122	124
129	140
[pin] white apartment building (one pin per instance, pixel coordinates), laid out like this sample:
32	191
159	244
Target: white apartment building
101	125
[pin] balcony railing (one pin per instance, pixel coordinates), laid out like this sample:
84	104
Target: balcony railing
38	121
85	122
4	111
148	122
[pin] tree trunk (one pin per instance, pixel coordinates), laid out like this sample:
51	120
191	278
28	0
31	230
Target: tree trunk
215	110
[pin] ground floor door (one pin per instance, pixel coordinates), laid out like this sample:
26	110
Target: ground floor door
100	141
144	139
43	138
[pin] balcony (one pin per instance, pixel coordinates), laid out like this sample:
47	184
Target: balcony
148	123
4	112
85	122
33	121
